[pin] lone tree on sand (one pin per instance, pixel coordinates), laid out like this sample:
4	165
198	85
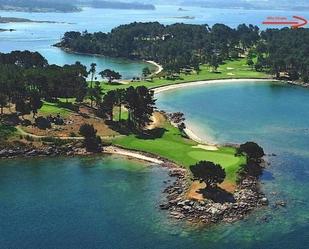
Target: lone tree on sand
208	172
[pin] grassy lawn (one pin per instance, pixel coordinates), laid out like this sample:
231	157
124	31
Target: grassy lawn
180	150
53	109
236	69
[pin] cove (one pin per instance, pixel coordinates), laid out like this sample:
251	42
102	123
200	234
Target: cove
276	116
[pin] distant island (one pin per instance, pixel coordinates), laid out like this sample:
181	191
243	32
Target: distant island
122	5
37	6
22	20
4	30
185	17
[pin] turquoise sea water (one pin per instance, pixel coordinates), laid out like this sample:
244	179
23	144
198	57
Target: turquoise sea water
40	36
274	115
109	202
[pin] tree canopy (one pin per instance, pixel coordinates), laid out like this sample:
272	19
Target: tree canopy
92	142
181	46
174	46
208	172
26	78
252	150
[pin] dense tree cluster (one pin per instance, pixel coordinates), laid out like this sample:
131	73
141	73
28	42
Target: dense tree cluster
284	51
139	102
26	78
175	46
182	46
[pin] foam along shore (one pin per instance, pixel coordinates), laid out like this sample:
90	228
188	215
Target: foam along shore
203	143
205	82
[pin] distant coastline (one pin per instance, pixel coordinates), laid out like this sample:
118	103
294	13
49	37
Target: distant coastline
22	20
7	30
38	6
121	5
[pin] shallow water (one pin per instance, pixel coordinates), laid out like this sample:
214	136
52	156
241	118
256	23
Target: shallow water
276	116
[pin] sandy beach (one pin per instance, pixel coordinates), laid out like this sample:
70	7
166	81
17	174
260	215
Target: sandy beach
128	153
205	82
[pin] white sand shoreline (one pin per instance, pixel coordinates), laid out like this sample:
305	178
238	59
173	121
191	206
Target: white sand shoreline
132	154
206	82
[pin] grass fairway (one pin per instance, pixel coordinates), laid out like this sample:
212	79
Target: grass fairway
235	69
53	109
180	150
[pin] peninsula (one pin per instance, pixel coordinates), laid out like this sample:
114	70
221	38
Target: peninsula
82	118
213	182
181	48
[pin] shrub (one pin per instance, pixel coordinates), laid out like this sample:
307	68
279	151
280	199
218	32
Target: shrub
42	123
252	150
72	134
92	142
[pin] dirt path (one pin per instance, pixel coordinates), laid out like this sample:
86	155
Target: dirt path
24	133
159	68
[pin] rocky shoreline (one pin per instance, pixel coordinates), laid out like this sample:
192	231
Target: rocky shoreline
297	83
246	198
51	150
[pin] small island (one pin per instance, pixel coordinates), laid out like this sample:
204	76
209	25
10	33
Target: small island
21	20
185	17
4	30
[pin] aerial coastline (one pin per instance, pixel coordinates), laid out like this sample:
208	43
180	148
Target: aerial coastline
86	116
180	206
